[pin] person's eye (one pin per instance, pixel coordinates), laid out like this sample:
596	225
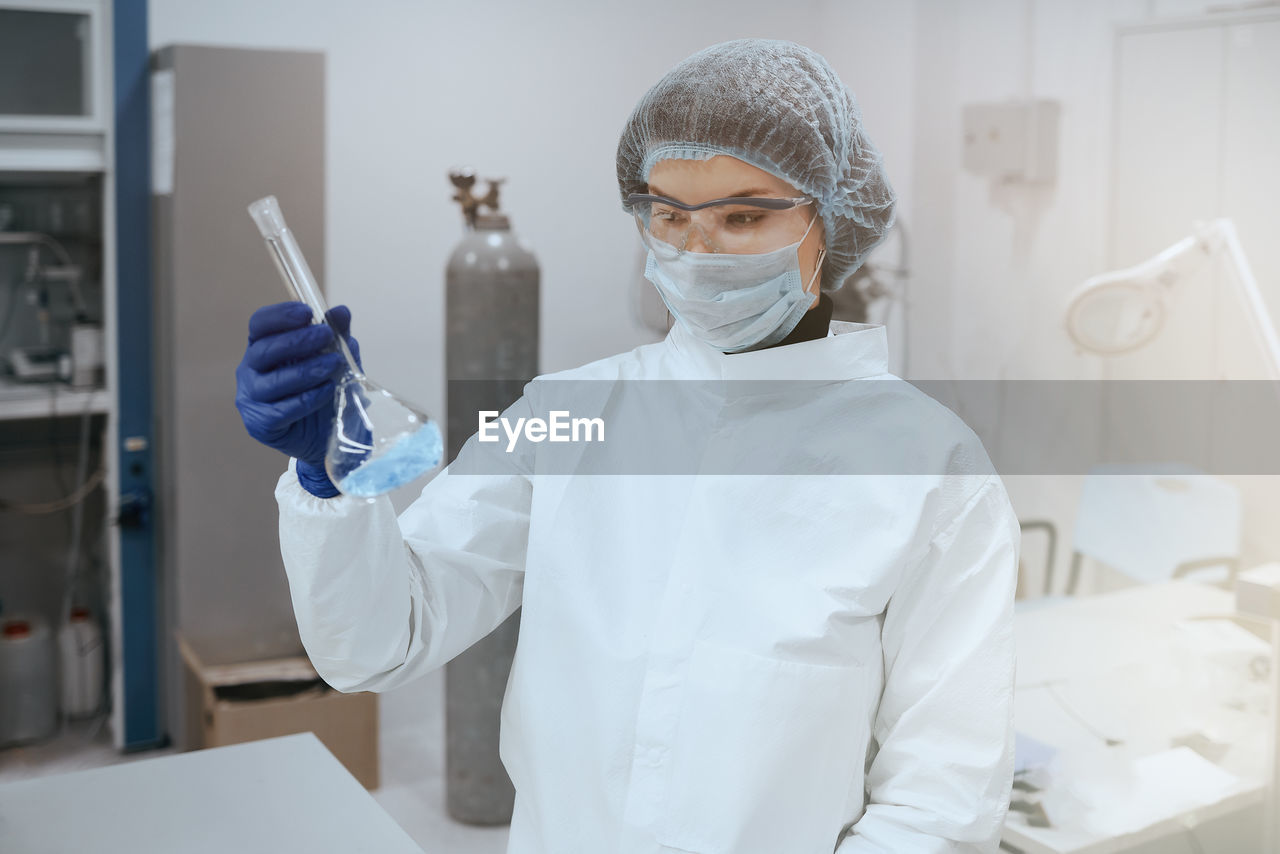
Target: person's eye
668	215
746	219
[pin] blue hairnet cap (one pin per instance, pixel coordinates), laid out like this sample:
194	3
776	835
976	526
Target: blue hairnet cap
780	107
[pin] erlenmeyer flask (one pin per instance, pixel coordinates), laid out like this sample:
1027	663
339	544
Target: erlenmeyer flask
378	441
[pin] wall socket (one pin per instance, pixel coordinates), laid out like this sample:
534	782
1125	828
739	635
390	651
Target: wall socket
1012	141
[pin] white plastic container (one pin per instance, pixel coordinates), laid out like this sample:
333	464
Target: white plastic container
28	684
86	355
80	654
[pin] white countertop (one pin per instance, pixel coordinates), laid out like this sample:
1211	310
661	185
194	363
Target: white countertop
1122	666
280	795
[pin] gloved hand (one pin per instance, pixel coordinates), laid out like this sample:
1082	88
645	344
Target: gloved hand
285	385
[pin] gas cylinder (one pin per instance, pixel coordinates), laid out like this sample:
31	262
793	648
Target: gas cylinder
491	351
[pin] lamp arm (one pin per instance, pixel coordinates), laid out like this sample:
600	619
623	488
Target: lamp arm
1224	241
1165	268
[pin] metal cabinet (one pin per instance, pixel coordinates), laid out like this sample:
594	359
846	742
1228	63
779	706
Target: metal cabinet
223	577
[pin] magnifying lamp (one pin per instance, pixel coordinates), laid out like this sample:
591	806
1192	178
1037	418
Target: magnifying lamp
1122	311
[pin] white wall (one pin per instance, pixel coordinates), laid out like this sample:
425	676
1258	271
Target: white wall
994	266
537	92
871	44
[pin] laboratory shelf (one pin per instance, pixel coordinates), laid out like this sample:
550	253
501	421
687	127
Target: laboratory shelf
97	140
52	152
49	400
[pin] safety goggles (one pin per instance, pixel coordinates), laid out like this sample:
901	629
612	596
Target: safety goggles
741	225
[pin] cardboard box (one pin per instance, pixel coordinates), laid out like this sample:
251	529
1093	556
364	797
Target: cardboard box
251	700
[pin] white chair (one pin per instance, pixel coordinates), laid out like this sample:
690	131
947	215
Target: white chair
1151	524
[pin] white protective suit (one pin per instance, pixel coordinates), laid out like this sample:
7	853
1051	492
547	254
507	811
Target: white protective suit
711	663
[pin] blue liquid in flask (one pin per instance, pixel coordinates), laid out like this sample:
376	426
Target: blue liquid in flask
408	458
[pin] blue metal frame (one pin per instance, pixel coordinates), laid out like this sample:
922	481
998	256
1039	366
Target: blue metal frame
138	587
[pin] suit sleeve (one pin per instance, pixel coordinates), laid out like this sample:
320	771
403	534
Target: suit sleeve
941	778
380	600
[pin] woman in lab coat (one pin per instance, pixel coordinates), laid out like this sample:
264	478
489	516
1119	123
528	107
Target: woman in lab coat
796	637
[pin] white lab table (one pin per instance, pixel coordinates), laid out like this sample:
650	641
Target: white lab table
280	795
1113	666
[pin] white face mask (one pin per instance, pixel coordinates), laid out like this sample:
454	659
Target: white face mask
732	302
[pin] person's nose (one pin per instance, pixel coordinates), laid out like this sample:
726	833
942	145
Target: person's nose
699	240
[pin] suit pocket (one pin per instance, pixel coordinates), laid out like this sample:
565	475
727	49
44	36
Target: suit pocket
765	754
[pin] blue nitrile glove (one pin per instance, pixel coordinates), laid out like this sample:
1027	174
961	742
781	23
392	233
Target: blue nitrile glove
285	385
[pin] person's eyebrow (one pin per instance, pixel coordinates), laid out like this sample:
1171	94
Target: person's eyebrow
750	192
